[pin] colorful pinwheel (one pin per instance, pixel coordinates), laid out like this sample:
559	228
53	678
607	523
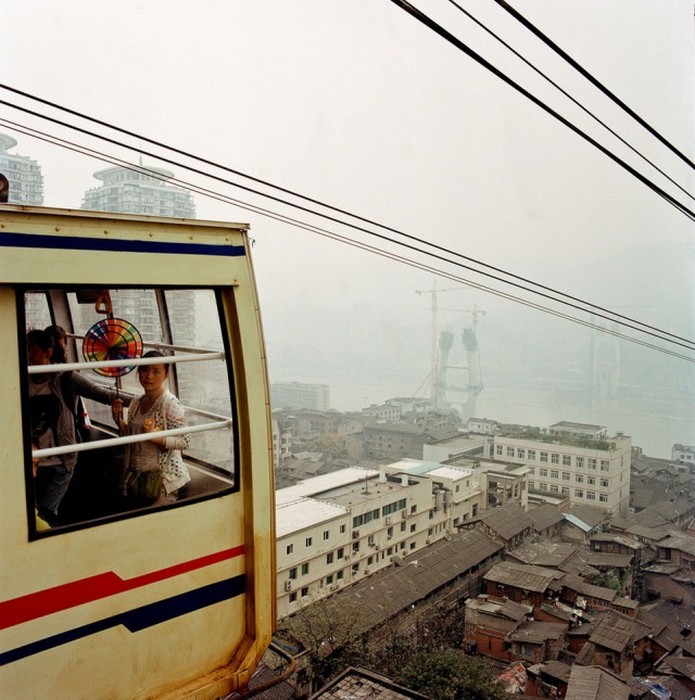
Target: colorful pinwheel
112	339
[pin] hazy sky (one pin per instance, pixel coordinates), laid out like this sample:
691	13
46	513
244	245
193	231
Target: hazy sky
356	104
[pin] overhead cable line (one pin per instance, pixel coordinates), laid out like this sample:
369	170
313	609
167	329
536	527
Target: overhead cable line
594	81
569	97
351	242
461	46
599	310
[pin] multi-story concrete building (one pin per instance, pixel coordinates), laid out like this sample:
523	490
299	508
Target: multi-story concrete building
142	190
23	174
683	454
300	395
588	468
335	529
282	444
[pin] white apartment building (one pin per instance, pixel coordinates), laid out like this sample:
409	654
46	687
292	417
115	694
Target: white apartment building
590	471
683	454
23	174
142	190
335	529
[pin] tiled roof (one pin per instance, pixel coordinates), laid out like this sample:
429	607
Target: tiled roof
386	593
617	632
361	684
507	521
528	578
545	516
593	683
538	632
601	559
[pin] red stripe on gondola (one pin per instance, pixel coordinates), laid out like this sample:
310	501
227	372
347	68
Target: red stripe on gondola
52	600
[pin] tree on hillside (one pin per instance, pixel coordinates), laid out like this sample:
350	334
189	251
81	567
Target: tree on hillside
450	675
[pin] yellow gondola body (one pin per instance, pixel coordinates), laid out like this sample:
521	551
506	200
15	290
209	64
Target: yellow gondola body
152	602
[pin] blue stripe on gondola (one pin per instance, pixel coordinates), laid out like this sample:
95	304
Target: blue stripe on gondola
23	240
137	619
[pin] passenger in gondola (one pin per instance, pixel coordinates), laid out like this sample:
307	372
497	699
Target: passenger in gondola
52	405
154	469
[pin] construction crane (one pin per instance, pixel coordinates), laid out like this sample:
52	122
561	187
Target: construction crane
439	379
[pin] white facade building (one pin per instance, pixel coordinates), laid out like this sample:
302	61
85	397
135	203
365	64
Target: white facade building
683	454
573	465
335	529
143	190
23	174
300	395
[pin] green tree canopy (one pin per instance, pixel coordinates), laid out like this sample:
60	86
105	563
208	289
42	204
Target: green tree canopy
451	674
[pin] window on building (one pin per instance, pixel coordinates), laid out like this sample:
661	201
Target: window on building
498	450
289	549
532	485
308	541
343	529
603	498
591	496
579	462
544	456
564	491
579	478
531	454
555	458
370	541
566	461
565	476
402	527
305	591
591	480
554	488
510	451
292	573
604	465
293	597
413	527
305	568
554	474
340	553
578	493
543	472
543	487
329	558
592	463
326	535
412	545
604	483
474	510
329	579
520	453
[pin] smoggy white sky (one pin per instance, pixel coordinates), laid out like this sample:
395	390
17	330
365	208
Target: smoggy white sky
354	103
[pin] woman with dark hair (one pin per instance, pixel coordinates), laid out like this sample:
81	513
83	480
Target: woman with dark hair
52	404
60	342
154	469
